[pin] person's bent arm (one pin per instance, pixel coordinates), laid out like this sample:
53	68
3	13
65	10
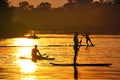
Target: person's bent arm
39	53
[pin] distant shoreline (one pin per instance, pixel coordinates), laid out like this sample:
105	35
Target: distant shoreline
62	34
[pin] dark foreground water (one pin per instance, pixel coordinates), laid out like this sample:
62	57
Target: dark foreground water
106	50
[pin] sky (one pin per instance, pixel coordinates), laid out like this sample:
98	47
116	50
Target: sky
55	3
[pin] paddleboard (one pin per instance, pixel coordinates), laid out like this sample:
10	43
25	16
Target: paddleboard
43	58
84	45
87	45
95	64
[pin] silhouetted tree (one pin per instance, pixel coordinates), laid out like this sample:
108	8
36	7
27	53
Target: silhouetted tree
109	2
5	16
70	1
25	5
117	2
103	3
80	1
68	5
5	11
84	1
30	7
44	6
76	3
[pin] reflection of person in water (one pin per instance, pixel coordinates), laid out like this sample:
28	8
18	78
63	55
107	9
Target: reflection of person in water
88	39
76	49
75	72
34	54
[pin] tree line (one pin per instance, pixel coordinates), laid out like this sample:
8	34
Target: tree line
87	17
70	4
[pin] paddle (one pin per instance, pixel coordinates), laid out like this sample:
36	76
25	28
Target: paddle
80	42
45	55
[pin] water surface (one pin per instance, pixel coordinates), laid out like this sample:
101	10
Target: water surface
59	46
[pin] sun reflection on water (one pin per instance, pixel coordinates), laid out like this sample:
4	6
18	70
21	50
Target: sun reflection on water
28	77
27	69
27	66
24	42
24	52
26	46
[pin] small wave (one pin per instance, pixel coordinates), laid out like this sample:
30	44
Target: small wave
3	56
8	56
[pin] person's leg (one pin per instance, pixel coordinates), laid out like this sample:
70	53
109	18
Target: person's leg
75	56
91	42
87	42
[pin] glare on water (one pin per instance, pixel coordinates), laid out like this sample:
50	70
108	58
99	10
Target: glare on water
24	42
26	52
26	66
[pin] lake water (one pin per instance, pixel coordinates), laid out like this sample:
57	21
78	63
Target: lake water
106	50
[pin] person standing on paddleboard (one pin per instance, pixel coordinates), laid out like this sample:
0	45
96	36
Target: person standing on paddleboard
76	46
88	39
34	53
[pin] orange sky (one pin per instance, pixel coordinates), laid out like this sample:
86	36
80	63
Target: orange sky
55	3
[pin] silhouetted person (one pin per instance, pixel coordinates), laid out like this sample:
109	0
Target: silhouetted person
76	47
88	39
34	53
75	72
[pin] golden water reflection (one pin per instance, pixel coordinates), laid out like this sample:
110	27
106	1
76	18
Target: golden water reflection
27	69
26	65
24	52
26	77
24	42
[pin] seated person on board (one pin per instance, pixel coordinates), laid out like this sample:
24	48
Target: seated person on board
34	53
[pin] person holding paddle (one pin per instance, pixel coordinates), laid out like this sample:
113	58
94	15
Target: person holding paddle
34	54
76	46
